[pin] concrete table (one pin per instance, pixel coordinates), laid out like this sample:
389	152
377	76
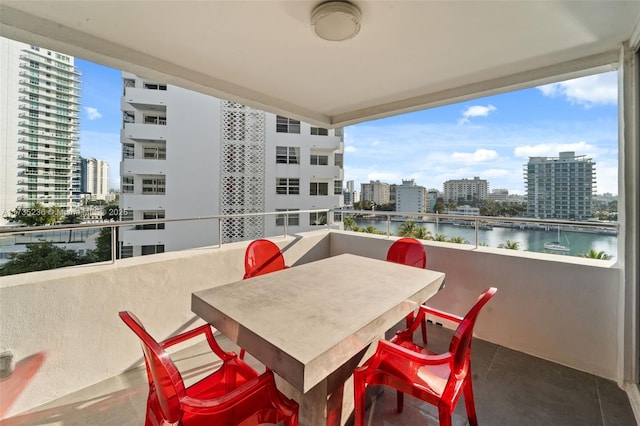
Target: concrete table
312	324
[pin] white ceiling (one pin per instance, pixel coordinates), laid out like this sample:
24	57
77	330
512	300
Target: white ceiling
408	55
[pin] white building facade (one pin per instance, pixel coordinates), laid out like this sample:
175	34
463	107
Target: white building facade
39	119
465	189
94	178
376	192
560	187
411	198
186	154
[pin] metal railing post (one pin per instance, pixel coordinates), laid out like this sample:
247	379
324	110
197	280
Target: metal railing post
114	242
219	232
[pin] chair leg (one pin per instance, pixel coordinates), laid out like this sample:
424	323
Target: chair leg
241	356
359	401
444	415
469	403
400	401
424	331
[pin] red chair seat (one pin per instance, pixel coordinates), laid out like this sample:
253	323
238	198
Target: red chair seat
439	379
234	394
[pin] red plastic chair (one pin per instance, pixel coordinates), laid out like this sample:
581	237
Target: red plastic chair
232	395
409	251
262	257
438	379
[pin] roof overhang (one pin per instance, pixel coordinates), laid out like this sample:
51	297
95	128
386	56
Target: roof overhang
408	55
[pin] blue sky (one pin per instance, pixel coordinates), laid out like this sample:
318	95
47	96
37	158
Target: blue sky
491	137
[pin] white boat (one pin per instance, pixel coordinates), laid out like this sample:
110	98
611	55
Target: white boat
555	245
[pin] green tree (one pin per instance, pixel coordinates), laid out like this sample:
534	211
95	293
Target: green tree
511	245
439	207
102	252
39	257
421	233
592	254
408	228
350	224
35	215
440	237
458	240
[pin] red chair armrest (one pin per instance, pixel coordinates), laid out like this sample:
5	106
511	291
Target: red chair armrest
203	329
438	313
388	350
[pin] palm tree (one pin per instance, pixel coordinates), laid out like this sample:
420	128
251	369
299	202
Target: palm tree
511	245
592	254
421	233
440	237
458	240
350	224
407	229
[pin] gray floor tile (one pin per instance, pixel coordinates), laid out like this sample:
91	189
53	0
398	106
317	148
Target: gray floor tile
511	388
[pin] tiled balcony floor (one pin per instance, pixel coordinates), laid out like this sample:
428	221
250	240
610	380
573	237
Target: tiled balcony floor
511	388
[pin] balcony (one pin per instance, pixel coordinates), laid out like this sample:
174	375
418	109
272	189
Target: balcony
545	310
138	131
145	99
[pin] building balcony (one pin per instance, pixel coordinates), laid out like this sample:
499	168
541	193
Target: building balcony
551	330
145	99
142	167
138	131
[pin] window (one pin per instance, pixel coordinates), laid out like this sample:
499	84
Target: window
128	151
287	125
287	155
155	86
320	131
153	186
319	160
293	219
155	119
153	215
319	188
337	187
155	153
128	117
126	252
338	160
152	249
127	184
317	218
290	186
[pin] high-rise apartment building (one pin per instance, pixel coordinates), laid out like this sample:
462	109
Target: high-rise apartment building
560	187
376	192
465	190
350	194
94	178
411	198
39	113
185	154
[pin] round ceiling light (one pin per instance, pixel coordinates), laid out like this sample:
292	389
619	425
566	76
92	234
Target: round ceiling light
336	20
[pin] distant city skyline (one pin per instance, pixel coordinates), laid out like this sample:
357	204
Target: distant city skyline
491	138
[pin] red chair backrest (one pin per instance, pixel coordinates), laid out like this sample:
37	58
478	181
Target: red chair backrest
460	346
408	251
166	378
262	257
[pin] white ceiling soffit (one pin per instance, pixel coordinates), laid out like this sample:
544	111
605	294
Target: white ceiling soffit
407	55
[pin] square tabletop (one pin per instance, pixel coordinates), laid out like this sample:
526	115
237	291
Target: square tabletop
306	321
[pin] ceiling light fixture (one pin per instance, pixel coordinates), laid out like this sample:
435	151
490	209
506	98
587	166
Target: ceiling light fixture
336	20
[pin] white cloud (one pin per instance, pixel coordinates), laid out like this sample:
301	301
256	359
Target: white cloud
600	89
92	113
479	156
350	148
553	149
476	111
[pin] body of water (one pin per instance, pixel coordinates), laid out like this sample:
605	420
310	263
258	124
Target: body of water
527	239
